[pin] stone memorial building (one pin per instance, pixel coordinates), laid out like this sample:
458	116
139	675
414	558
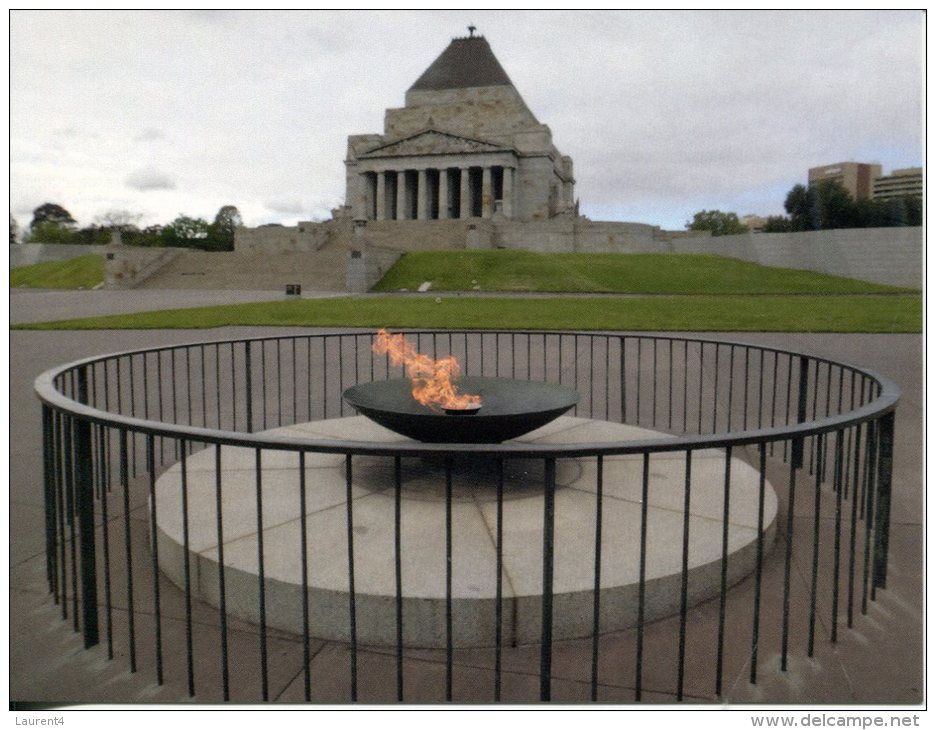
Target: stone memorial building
465	145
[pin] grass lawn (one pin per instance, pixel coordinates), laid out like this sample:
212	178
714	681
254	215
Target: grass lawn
611	272
83	272
766	313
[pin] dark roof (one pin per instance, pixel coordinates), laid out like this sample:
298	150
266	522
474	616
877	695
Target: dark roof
465	63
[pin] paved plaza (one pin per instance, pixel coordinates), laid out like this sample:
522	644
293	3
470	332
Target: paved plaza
879	661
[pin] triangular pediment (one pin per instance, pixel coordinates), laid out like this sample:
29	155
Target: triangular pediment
432	142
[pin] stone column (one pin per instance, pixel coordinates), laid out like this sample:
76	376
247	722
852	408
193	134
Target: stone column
508	192
465	191
381	196
401	195
443	194
487	193
422	197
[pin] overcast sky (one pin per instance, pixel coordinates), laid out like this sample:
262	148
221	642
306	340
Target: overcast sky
664	113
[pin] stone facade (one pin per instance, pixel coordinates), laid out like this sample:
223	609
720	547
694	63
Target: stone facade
465	145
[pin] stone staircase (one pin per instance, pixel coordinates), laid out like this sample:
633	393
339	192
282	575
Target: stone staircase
322	270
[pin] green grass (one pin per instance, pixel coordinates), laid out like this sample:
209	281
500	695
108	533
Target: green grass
610	272
83	272
897	313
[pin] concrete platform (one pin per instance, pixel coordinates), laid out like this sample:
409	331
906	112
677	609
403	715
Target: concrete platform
473	540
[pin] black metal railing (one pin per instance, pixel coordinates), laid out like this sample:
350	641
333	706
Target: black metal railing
112	424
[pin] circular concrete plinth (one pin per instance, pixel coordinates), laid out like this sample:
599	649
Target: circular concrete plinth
474	523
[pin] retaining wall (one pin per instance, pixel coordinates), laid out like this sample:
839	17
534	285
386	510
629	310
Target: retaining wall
26	254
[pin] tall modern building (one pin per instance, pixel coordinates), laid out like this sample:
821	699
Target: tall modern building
464	145
855	177
900	183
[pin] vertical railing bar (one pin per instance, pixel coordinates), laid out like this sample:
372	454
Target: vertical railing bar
204	385
61	491
810	645
814	451
882	518
854	526
723	585
759	565
607	378
773	399
188	382
654	411
760	391
684	581
731	359
623	369
449	643
669	380
340	374
304	547
48	481
546	626
499	587
261	577
871	454
69	425
154	547
836	563
325	376
642	582
715	393
128	554
105	534
787	566
639	371
351	593
175	400
596	590
701	378
685	401
187	572
263	381
222	592
789	393
132	413
398	568
309	373
279	382
747	374
234	387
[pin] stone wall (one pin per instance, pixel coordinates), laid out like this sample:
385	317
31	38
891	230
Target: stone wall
368	265
26	254
306	236
880	255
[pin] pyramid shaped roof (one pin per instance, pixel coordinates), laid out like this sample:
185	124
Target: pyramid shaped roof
466	63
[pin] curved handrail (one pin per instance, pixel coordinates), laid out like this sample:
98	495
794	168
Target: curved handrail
885	402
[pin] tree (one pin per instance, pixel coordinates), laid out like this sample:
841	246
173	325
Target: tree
221	231
14	229
719	223
52	213
825	205
119	219
777	224
50	232
186	232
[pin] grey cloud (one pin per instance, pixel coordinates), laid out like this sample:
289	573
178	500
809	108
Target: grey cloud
149	179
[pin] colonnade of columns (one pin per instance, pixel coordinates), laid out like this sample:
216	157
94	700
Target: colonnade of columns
431	194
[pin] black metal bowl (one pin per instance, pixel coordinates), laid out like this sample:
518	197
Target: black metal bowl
509	408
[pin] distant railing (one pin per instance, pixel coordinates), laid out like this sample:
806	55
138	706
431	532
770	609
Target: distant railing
111	424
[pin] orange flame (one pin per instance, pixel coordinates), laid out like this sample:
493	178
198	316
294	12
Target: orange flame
432	379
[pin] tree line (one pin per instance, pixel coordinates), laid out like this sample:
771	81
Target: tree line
52	223
819	207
